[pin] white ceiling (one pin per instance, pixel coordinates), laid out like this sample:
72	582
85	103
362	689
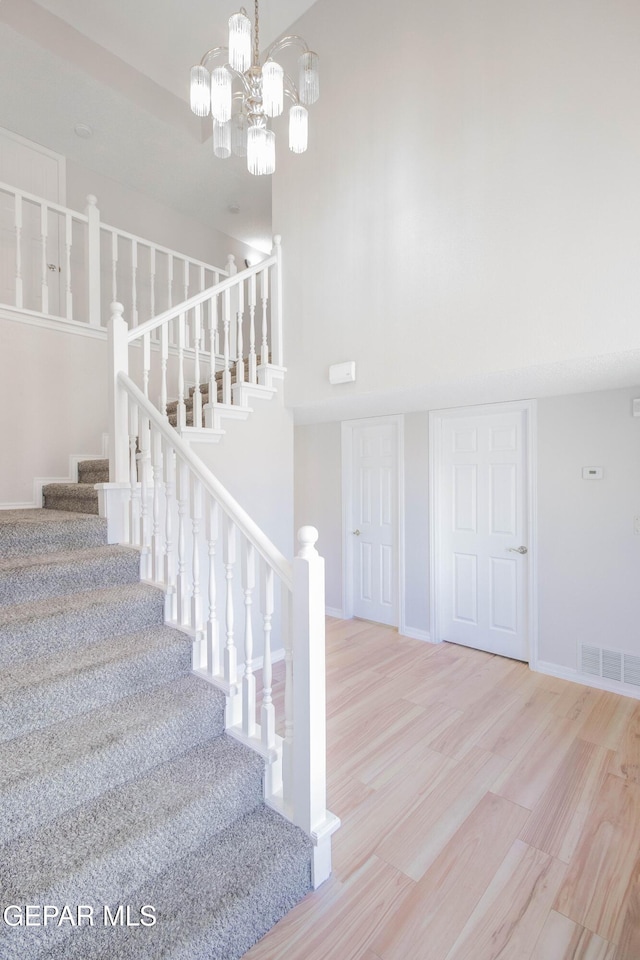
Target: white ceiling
61	63
164	38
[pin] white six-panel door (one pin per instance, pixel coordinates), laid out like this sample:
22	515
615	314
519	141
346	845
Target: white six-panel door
373	522
483	531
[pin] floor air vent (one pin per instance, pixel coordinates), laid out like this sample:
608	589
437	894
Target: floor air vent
610	664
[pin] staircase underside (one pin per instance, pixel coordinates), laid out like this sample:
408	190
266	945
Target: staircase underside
118	786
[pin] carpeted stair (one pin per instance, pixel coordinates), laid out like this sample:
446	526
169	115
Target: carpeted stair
118	785
80	497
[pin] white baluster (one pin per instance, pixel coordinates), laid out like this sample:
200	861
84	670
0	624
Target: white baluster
169	465
248	680
226	373
114	265
134	500
197	395
276	304
213	642
152	285
253	375
19	284
134	283
213	340
145	483
156	537
93	259
267	714
186	280
264	293
44	229
181	410
239	336
229	559
203	283
146	363
164	359
196	518
172	335
68	227
181	579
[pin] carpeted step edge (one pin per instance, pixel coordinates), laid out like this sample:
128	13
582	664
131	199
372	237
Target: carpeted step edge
38	531
39	692
38	576
63	623
116	843
215	903
48	772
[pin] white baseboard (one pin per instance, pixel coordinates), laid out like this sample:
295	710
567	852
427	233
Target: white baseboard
17	506
598	683
414	633
72	477
334	612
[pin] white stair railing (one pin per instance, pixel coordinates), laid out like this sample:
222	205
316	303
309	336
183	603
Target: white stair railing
229	587
70	266
217	346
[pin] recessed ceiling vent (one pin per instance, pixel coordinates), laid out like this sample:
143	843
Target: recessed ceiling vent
613	665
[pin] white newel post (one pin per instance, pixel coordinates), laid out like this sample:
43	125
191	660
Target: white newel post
309	707
93	260
118	346
277	354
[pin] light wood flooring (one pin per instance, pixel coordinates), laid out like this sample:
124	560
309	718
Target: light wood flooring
488	812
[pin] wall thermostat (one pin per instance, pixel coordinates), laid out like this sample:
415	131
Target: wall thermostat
592	473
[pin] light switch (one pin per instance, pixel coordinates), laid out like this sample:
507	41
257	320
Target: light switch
592	473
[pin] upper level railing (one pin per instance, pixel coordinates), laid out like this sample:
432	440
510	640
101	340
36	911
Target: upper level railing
62	264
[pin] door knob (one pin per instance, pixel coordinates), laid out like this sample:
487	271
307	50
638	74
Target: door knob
356	533
517	550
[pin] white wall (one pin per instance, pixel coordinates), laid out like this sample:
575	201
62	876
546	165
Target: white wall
53	403
468	203
589	556
254	461
137	213
318	497
589	559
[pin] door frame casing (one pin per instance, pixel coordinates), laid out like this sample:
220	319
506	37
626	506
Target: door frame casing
436	419
348	430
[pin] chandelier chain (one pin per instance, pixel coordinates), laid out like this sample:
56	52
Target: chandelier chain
256	41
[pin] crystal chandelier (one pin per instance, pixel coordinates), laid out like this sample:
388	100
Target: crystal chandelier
243	94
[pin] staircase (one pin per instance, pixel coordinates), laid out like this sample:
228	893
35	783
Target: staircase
118	785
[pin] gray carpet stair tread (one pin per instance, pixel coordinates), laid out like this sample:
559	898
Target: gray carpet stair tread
70	491
25	532
113	843
57	623
52	574
213	904
37	692
52	770
93	471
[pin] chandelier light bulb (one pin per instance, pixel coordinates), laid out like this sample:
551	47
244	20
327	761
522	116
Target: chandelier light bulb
222	139
272	88
239	127
261	151
240	41
221	94
200	91
298	129
309	81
